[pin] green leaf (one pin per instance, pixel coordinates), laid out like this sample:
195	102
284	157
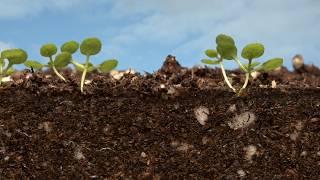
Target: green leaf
15	56
33	64
81	68
252	51
253	65
70	47
62	60
227	51
226	47
48	50
271	64
209	61
211	53
108	65
90	46
224	39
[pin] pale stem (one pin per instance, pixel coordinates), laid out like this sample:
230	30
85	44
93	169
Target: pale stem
55	70
239	62
84	73
248	73
77	64
226	78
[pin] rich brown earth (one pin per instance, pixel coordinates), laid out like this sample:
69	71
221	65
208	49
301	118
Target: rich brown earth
146	127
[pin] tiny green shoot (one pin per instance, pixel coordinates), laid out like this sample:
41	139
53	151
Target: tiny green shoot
89	47
227	50
61	60
13	56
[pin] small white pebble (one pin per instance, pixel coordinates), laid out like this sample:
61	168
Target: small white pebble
232	108
116	74
273	84
201	114
241	173
86	82
78	154
294	136
143	154
255	74
130	71
184	147
242	121
318	153
162	86
303	153
46	126
251	150
6	158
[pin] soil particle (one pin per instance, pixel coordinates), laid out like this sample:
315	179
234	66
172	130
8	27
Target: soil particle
201	113
242	120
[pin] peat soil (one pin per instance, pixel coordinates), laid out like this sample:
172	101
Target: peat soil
175	123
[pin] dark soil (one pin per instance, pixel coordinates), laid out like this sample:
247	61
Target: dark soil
145	126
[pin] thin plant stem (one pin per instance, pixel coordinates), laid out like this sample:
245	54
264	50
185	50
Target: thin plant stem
55	70
239	62
226	77
4	71
248	73
77	64
84	73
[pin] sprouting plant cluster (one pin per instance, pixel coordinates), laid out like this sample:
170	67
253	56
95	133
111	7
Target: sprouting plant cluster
227	50
58	60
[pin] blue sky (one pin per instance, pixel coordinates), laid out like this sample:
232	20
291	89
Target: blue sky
141	33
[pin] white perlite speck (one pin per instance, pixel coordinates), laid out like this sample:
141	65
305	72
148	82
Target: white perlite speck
143	154
241	173
232	108
184	147
273	84
250	150
201	114
78	154
242	120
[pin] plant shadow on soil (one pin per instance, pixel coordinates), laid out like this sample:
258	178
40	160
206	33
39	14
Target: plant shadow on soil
146	127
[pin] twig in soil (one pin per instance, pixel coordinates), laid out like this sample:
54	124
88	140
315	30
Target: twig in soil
23	133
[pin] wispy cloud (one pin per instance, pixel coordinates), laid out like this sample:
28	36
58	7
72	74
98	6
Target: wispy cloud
188	27
21	8
140	33
5	45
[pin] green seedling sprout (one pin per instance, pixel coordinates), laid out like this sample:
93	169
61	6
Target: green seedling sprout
72	47
13	56
227	50
33	64
90	47
61	60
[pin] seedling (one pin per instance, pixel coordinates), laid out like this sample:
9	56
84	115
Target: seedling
13	56
227	50
89	47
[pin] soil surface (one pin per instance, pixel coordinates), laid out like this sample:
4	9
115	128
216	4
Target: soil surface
176	123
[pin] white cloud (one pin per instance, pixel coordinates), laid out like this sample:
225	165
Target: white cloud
286	27
21	8
5	45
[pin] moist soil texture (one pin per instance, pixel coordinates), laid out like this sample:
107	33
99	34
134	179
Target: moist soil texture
176	123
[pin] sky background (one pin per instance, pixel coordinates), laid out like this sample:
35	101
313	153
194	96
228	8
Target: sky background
141	33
